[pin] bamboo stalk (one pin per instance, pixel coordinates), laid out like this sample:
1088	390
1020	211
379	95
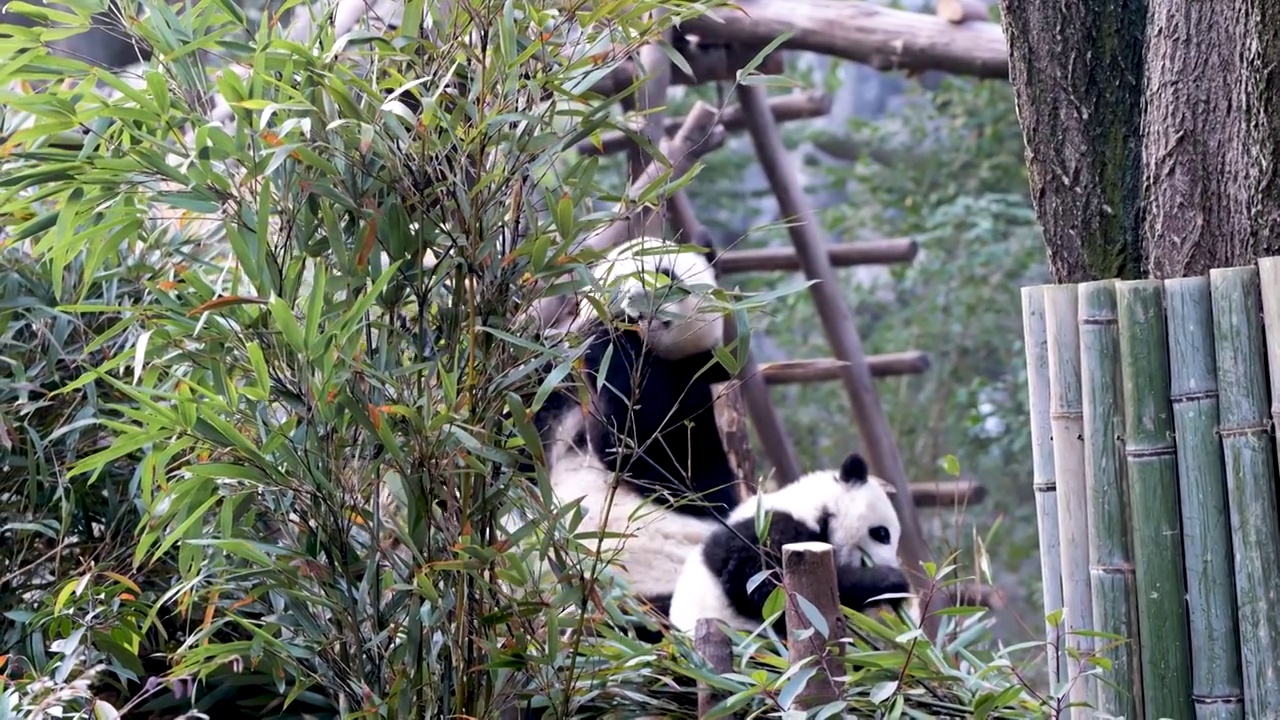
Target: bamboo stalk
1110	561
1152	467
1066	417
1216	685
1269	275
1037	348
1251	493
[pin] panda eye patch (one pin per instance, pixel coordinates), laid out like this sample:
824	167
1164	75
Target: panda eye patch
880	534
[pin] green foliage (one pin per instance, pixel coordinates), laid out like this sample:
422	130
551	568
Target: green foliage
267	381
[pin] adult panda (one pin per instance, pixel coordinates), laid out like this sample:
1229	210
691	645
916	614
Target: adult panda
848	508
645	456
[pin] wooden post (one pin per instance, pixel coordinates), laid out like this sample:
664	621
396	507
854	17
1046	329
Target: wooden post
1115	607
713	645
1216	685
809	572
1036	341
1248	453
1066	416
1152	465
840	329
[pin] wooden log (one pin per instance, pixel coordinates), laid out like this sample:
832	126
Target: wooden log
881	37
962	11
1066	417
1115	608
1152	466
1036	342
946	493
782	259
785	108
1216	684
809	572
1249	462
786	372
710	641
837	322
709	63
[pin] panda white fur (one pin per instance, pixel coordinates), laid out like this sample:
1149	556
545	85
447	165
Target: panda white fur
848	508
646	457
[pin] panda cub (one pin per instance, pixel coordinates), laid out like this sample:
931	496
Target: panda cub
645	457
847	508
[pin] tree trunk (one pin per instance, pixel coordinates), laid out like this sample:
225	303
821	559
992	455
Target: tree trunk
1076	69
1151	144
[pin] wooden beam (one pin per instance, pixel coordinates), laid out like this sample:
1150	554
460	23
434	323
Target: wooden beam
881	37
946	493
790	372
785	259
837	322
796	106
714	63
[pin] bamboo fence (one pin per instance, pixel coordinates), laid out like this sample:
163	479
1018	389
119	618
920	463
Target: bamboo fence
1153	406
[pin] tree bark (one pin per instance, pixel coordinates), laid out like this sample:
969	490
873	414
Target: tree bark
1151	134
1076	69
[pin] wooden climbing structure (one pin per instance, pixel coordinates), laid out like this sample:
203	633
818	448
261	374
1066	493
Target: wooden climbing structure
683	140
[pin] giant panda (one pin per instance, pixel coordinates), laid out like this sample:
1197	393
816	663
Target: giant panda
848	508
645	456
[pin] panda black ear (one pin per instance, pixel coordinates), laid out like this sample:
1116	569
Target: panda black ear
854	469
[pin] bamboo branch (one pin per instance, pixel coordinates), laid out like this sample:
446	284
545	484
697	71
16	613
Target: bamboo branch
785	108
883	38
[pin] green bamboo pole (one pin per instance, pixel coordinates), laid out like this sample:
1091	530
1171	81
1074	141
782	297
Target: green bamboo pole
1110	562
1152	469
1066	417
1036	340
1216	685
1251	493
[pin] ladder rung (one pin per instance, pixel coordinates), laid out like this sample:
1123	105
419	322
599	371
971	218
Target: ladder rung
786	372
947	493
781	259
